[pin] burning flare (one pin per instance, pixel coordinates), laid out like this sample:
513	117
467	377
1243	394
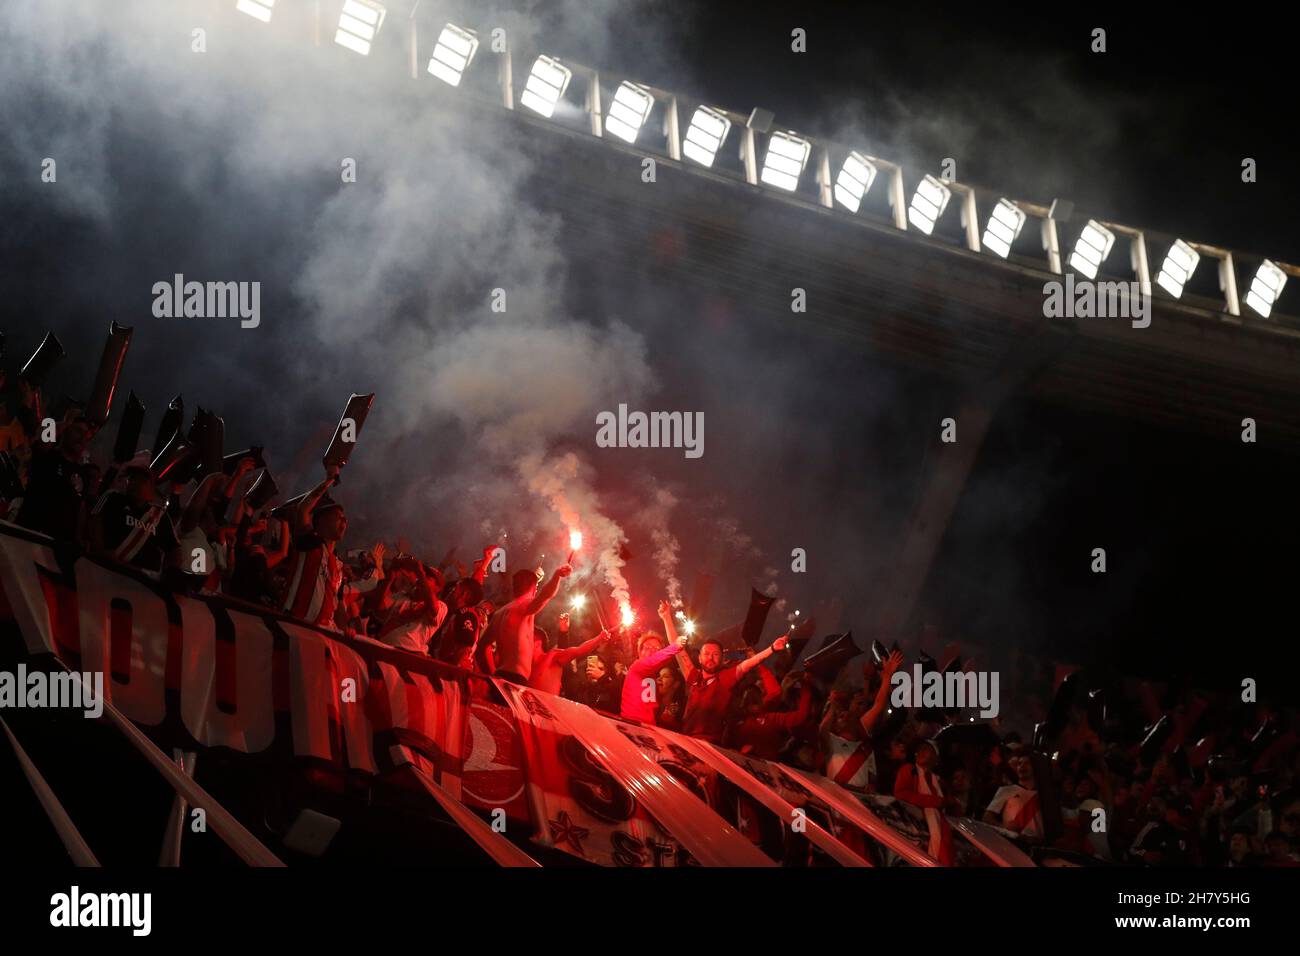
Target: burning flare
629	616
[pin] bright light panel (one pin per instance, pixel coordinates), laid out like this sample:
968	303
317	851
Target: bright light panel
260	9
358	24
1179	265
785	160
452	53
1092	248
928	203
627	114
855	178
546	84
1004	226
1265	288
705	135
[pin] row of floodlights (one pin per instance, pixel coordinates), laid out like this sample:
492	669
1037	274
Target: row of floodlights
786	157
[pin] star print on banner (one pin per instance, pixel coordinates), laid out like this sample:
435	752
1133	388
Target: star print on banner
564	830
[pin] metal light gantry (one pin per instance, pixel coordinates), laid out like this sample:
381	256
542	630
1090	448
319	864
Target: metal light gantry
1265	284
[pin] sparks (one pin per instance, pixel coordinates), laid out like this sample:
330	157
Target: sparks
628	615
578	601
575	540
689	627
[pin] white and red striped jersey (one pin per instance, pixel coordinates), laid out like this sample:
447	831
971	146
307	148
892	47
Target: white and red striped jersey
851	763
315	576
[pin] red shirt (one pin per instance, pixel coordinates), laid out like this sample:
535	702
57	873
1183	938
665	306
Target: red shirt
708	696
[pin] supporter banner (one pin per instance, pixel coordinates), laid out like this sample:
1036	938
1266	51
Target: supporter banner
204	671
700	764
207	672
635	802
846	817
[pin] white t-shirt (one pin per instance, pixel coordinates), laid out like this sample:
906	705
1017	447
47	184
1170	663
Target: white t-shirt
413	635
1009	801
839	751
213	553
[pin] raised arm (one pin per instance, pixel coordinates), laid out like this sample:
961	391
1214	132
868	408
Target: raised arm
887	668
244	466
566	655
747	665
302	514
684	662
481	566
549	589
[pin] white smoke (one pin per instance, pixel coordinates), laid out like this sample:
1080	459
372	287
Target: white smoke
666	554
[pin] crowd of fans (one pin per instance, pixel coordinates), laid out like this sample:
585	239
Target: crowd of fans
1138	774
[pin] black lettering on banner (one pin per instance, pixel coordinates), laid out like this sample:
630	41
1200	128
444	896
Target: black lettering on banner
596	790
644	741
535	706
682	755
627	849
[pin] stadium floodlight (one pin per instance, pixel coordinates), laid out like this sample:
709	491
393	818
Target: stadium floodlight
452	53
1004	226
928	203
1092	248
358	24
627	114
785	159
1265	288
546	84
708	129
259	9
1180	263
855	178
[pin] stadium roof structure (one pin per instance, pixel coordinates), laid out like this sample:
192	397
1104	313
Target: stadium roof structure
896	259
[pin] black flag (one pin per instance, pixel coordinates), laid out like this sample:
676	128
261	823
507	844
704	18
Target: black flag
799	636
759	605
834	653
348	430
175	462
172	420
263	490
38	366
231	461
128	432
207	435
110	370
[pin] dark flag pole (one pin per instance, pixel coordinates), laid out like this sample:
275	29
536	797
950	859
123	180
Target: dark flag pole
348	430
128	430
172	421
759	605
110	371
263	490
38	366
